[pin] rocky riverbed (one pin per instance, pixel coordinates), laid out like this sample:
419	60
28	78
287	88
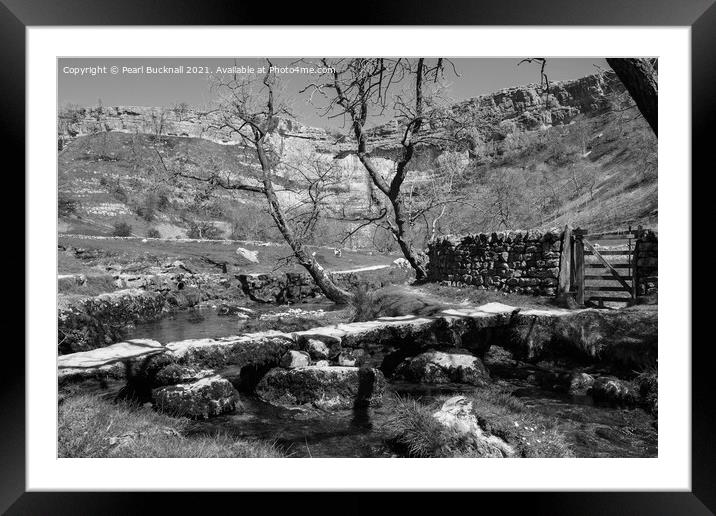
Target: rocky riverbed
351	373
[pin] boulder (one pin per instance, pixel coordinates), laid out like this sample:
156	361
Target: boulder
456	414
250	256
627	338
580	383
294	359
174	373
401	262
348	357
85	323
443	367
614	390
322	387
317	349
201	399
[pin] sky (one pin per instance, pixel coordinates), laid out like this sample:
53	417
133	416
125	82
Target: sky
86	81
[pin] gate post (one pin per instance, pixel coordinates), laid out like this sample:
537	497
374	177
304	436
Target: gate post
579	264
634	259
565	264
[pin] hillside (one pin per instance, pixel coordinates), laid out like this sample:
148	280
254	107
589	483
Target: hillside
581	154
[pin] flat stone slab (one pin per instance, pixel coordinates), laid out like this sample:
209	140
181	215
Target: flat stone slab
119	352
534	328
136	348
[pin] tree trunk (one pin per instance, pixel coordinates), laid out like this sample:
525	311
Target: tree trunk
415	260
317	272
640	79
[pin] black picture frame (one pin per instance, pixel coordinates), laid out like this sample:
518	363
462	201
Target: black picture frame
700	15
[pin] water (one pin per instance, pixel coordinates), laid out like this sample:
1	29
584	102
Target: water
592	430
209	323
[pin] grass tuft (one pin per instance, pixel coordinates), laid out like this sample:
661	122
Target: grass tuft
91	426
413	432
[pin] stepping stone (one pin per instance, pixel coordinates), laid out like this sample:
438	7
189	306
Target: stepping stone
119	352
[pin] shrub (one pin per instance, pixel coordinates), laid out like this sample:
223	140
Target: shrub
204	230
122	229
66	205
153	233
118	193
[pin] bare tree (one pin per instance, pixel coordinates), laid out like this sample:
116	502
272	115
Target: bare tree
360	85
250	110
639	76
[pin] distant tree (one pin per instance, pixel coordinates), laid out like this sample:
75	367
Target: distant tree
153	233
99	111
122	229
66	205
204	230
181	110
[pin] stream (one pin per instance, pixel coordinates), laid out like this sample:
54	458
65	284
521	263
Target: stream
205	323
592	429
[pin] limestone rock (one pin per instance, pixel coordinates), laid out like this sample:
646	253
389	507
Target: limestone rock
317	349
322	387
580	383
92	322
174	373
348	358
293	359
626	337
612	389
443	367
201	399
250	256
120	352
456	414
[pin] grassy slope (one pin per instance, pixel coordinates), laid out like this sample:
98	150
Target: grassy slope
601	171
110	174
202	255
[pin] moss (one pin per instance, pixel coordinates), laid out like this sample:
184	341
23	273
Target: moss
90	426
93	322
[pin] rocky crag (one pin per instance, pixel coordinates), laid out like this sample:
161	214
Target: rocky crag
520	108
109	153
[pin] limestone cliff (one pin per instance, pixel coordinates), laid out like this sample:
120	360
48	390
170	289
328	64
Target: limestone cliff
506	123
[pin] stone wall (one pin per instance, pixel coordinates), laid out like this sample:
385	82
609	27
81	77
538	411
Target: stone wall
296	287
525	262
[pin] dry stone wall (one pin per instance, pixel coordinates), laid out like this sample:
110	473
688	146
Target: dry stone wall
526	262
296	287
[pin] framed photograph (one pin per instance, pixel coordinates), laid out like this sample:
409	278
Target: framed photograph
359	257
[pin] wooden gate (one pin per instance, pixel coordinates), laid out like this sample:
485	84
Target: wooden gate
599	267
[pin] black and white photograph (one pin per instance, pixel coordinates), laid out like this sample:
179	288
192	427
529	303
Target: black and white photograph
357	257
